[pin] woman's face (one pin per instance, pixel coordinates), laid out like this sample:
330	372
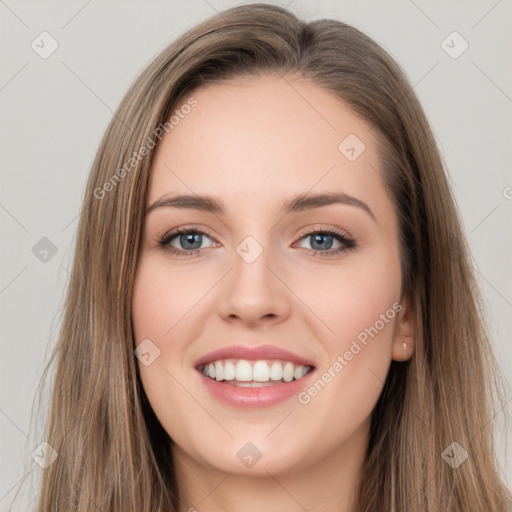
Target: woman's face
289	264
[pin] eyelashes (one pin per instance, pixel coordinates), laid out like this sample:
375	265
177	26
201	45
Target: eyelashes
317	238
165	242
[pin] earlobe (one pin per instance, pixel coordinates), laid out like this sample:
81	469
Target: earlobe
403	342
403	348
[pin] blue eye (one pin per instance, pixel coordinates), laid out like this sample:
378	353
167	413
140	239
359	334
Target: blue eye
321	242
190	241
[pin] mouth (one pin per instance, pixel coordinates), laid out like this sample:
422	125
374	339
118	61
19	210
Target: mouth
252	377
254	374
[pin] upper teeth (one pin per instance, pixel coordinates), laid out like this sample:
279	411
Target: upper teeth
259	371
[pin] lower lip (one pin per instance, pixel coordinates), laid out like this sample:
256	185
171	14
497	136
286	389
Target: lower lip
264	396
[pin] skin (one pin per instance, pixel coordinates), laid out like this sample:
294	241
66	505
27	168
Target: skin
253	143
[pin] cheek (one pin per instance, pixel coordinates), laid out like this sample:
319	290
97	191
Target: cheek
366	305
157	305
359	305
352	297
362	309
160	298
155	309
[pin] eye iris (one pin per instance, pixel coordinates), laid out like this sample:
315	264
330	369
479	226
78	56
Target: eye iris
193	238
320	240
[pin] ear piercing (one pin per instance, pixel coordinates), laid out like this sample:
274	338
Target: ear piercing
404	345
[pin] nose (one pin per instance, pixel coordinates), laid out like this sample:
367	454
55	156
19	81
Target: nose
254	293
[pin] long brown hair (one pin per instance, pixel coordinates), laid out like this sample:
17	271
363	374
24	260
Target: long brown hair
113	455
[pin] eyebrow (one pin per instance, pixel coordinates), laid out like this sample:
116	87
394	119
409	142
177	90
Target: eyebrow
301	202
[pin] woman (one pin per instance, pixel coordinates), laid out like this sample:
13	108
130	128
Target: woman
320	345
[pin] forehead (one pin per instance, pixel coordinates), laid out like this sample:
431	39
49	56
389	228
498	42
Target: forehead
256	139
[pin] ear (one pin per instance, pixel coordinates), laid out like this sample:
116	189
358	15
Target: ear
403	338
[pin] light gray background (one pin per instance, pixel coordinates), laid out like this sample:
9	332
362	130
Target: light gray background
54	112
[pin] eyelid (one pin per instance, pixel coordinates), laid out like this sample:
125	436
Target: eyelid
314	228
184	229
347	241
164	241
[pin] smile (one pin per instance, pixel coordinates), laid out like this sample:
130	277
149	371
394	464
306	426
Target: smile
246	373
245	376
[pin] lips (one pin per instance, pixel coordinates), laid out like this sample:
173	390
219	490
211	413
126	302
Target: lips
241	376
269	352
